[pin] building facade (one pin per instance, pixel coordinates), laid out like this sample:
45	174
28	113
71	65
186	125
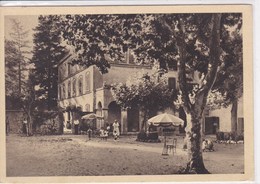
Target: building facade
87	90
220	119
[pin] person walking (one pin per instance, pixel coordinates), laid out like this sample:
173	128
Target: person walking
116	131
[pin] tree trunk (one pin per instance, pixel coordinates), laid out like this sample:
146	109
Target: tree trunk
193	129
19	75
49	100
195	163
234	116
30	124
143	127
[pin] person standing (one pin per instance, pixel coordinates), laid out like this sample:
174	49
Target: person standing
76	126
116	131
108	128
25	124
89	133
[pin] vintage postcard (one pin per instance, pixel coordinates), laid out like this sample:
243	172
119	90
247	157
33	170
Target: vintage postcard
126	94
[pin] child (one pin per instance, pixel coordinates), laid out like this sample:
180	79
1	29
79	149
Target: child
204	145
105	134
115	135
207	145
102	133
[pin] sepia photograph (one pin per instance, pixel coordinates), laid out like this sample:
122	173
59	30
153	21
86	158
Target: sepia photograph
110	93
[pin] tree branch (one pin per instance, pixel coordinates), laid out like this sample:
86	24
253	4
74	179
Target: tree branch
214	54
180	44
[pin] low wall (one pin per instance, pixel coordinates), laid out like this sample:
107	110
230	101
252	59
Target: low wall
15	120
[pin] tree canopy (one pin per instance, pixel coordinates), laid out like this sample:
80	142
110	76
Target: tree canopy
150	92
195	41
16	63
47	52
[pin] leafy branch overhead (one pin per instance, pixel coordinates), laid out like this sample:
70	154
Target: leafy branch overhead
149	92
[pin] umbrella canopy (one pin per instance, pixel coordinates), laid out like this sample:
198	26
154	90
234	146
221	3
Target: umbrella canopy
89	116
165	120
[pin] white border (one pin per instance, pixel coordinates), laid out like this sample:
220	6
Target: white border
121	2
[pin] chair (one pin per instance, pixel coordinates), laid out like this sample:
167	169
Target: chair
171	146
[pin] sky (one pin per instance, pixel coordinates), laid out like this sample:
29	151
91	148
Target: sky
29	22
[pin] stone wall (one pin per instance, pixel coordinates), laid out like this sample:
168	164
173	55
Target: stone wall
15	120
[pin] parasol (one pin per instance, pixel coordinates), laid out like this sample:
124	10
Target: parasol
90	116
165	120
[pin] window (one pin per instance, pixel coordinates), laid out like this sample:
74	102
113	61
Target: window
87	82
63	91
87	107
80	85
172	64
65	70
60	93
69	89
172	83
74	87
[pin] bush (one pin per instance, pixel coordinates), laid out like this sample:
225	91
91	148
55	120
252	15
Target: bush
141	136
152	136
148	137
49	122
225	136
239	137
220	136
232	135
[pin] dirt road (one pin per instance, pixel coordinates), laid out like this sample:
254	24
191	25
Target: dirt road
71	155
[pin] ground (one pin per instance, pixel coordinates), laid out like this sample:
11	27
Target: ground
74	155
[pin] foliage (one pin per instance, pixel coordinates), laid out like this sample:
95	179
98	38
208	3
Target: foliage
141	136
50	122
229	82
148	91
19	45
195	41
18	74
93	38
11	68
47	53
150	137
228	136
16	63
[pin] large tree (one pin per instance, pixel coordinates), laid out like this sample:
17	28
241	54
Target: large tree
19	37
229	82
193	40
11	68
47	52
16	63
19	89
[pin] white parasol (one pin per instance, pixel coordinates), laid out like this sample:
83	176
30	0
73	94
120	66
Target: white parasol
165	120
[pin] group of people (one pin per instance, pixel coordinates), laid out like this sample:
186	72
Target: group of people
104	132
